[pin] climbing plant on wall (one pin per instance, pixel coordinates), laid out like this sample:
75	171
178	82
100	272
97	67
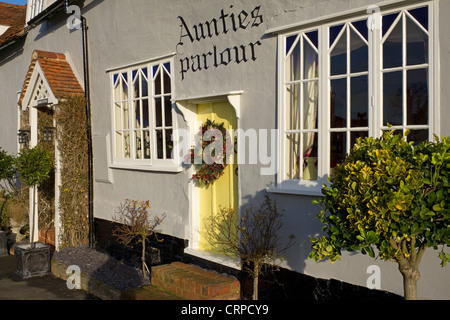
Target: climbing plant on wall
73	148
47	188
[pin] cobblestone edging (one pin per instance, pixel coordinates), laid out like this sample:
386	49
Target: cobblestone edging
89	284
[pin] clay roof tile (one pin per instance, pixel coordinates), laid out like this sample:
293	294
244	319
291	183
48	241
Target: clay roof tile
13	16
57	71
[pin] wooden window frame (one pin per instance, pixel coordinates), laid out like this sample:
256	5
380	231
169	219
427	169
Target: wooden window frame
375	90
135	161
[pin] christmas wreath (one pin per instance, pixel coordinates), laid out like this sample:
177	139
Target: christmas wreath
208	171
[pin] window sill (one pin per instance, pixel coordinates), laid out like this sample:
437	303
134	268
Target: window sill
214	257
313	189
137	167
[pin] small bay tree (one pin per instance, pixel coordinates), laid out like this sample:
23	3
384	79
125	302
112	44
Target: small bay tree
33	166
391	195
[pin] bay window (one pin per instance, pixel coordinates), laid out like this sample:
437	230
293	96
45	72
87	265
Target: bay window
343	80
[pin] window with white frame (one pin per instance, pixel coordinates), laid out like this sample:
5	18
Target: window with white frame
342	80
34	7
143	114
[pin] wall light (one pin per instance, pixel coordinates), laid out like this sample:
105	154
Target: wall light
23	136
48	134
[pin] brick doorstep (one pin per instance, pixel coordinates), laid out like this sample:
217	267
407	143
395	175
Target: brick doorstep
194	283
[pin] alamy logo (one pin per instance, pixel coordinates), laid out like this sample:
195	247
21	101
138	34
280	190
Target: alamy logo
74	21
74	277
252	147
374	281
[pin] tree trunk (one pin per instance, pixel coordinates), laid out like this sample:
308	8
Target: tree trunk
410	275
143	259
32	227
410	288
255	281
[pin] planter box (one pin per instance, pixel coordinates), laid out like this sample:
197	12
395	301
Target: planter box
3	244
32	262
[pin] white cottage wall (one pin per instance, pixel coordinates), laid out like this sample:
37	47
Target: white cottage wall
156	30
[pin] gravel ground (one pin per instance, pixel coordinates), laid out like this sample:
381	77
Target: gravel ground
102	266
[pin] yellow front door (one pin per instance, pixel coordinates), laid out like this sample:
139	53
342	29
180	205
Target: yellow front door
223	192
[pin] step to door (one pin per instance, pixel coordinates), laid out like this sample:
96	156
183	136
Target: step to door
193	283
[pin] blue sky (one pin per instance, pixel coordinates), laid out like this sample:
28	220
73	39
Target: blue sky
15	1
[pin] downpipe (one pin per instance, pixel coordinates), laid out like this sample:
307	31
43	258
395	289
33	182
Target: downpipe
84	28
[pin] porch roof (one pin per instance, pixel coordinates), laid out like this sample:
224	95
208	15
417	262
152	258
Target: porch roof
58	73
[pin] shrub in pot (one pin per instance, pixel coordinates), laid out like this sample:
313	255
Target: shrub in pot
7	174
33	167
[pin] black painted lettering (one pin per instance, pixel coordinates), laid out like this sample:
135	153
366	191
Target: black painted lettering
242	17
215	56
195	59
213	22
205	59
214	27
238	57
252	45
199	34
225	60
233	20
203	30
186	33
257	18
184	67
224	22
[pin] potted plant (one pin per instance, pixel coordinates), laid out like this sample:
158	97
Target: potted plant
33	168
252	237
6	177
136	224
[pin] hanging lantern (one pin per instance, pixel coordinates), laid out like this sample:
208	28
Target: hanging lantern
23	136
48	134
